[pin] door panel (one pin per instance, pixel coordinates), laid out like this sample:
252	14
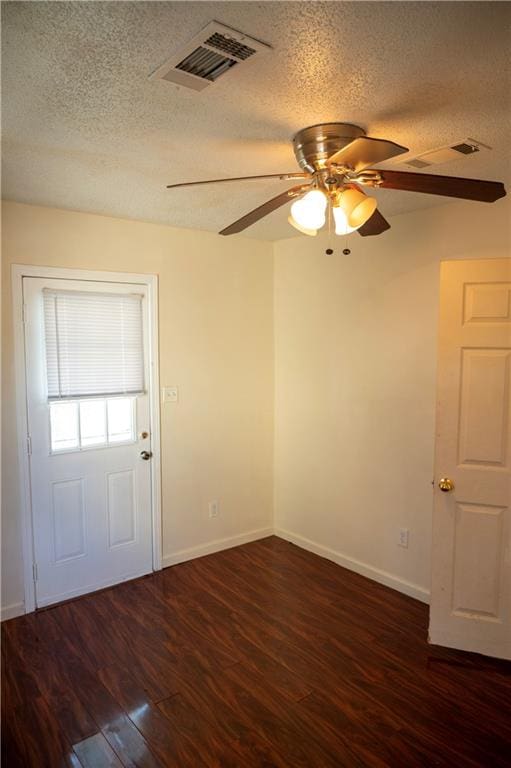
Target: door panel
478	574
68	517
121	508
487	302
91	494
484	390
471	568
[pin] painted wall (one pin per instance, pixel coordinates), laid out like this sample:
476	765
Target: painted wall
216	344
355	360
352	340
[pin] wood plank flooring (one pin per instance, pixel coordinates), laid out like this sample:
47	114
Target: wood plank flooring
263	655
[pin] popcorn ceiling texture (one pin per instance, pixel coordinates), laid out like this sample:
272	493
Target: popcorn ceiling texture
83	127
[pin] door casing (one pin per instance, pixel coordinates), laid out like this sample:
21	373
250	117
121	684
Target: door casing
19	271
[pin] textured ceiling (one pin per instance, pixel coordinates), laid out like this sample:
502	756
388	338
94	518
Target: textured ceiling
84	128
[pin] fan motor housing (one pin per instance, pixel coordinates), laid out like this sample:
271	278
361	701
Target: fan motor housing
315	144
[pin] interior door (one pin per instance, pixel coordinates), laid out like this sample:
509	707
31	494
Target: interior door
90	467
471	569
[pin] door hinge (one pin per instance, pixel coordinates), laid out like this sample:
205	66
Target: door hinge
34	570
29	445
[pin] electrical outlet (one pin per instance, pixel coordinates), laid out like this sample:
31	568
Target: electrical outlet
213	508
404	535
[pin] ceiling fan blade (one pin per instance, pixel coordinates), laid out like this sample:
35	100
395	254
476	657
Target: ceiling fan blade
364	151
282	176
450	186
374	226
263	210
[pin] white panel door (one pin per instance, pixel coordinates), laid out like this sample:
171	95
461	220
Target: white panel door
90	485
471	568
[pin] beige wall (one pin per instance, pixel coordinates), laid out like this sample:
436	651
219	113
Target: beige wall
216	344
355	358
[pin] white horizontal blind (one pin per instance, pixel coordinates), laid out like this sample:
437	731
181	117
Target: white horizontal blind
94	343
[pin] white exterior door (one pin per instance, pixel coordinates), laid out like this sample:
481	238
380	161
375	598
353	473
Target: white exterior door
471	569
90	483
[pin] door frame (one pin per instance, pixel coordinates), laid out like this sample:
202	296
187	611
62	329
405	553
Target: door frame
19	271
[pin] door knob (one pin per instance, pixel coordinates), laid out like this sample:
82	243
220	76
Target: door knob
146	455
446	484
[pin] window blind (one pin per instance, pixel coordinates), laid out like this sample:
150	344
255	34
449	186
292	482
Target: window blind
94	343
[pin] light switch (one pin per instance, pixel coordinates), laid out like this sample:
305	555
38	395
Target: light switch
169	394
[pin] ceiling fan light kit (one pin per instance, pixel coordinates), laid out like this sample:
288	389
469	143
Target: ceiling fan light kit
357	206
342	226
336	160
309	211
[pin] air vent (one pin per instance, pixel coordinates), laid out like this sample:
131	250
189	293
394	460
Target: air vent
465	148
211	54
228	45
206	64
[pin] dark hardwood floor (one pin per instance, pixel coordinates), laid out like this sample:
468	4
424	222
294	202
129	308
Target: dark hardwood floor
264	655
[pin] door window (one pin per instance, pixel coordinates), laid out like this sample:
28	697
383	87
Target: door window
77	425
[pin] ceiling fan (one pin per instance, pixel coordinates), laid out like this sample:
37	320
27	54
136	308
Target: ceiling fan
336	161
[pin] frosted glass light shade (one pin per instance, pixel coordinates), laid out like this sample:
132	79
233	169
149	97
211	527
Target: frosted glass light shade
341	222
309	211
358	207
303	230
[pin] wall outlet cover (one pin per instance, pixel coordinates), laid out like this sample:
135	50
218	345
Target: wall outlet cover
213	508
404	536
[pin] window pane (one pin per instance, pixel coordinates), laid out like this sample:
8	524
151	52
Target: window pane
92	422
120	419
64	426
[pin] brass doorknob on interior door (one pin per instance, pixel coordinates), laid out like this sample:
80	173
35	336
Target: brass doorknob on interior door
146	455
446	484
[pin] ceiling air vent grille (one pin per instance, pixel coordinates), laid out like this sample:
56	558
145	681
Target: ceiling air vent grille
214	52
228	45
205	63
466	149
443	155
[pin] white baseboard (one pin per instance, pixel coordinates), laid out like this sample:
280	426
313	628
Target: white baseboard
11	611
191	553
181	556
383	577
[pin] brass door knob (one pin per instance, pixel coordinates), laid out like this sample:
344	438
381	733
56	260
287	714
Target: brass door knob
446	484
146	455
